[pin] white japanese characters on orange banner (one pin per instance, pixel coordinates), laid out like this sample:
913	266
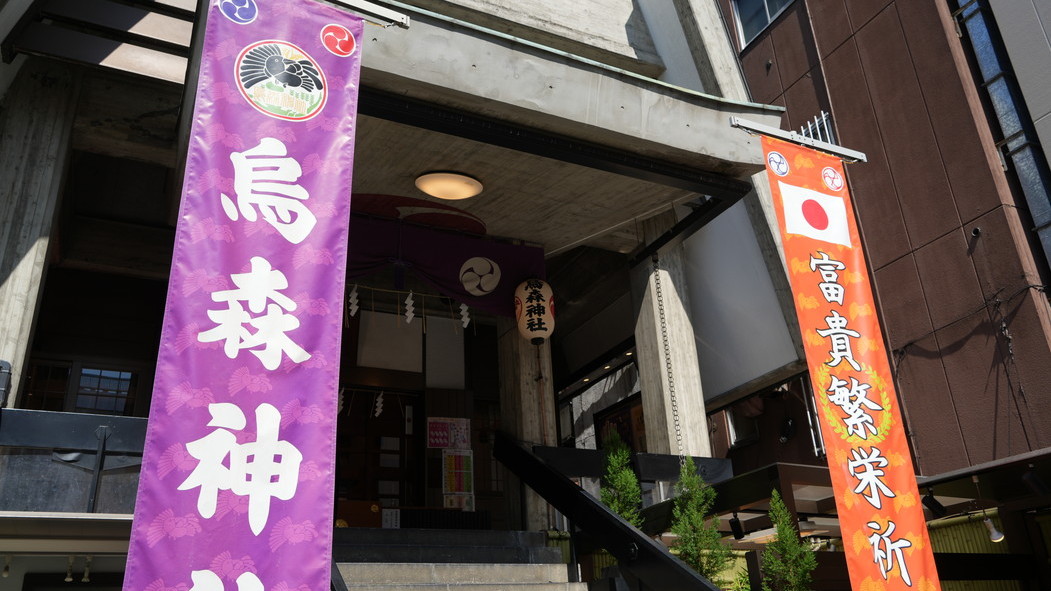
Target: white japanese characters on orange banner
884	534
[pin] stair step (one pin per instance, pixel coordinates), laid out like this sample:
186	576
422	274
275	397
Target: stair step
437	560
474	587
463	573
442	545
437	537
419	553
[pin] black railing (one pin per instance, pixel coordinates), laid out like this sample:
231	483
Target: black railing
638	555
94	444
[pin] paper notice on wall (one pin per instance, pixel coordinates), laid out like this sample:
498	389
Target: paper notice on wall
457	471
461	502
392	518
451	433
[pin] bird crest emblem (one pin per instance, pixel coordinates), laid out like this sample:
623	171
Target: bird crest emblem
281	80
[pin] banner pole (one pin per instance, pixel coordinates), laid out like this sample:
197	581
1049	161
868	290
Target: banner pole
796	138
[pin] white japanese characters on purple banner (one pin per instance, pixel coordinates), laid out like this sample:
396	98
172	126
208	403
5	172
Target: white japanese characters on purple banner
235	492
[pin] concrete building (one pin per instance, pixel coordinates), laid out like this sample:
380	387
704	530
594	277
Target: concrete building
600	132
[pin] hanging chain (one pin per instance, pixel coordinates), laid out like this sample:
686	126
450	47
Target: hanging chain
667	359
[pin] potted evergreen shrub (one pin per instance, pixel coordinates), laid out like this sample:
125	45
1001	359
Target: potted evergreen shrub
620	486
787	562
699	542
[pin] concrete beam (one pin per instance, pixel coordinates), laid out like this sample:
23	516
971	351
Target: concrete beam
453	64
468	67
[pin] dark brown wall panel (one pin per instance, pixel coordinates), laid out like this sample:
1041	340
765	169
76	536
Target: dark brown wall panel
760	69
927	402
986	408
883	227
903	307
793	44
950	283
971	166
831	25
805	99
1028	363
1014	301
923	189
862	11
994	253
780	101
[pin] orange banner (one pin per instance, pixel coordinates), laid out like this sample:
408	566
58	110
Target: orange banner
884	532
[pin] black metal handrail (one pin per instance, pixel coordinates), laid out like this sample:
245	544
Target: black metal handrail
45	429
96	442
645	559
93	442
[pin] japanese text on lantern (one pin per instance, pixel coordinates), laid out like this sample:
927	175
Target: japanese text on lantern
535	306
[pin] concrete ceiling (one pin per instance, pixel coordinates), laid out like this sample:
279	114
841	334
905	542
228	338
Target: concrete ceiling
543	201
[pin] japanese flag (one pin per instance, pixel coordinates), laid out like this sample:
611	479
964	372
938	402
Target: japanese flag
815	215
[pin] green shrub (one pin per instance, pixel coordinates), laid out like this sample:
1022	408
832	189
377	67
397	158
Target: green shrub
741	582
700	544
787	562
620	487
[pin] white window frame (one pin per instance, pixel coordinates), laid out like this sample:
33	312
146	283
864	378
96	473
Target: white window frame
770	18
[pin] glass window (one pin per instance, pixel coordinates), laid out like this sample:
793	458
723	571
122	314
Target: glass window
1010	120
751	14
754	16
104	391
47	386
74	387
742	429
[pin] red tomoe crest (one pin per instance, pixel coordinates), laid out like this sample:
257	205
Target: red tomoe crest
338	39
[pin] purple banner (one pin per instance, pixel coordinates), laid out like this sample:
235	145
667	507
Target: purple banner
235	492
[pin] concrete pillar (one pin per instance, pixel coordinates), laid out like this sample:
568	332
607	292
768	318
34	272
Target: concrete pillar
708	36
527	406
36	118
650	332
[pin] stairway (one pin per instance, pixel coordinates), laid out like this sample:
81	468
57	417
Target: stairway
436	560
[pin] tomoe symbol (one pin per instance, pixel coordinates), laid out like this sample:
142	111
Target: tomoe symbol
241	12
479	276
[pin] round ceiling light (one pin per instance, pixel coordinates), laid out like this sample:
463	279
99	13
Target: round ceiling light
448	185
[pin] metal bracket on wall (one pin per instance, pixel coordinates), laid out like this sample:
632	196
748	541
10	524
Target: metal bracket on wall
797	138
375	13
